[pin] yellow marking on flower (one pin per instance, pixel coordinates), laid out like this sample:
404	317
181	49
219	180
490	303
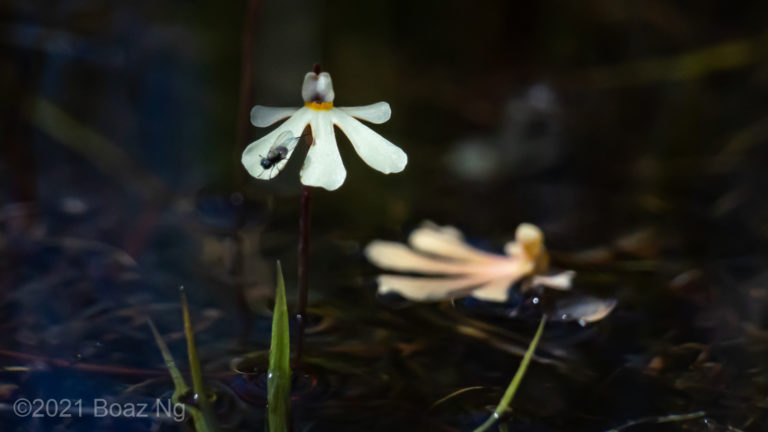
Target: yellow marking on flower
319	106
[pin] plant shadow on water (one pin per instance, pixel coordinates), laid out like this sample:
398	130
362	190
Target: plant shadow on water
637	147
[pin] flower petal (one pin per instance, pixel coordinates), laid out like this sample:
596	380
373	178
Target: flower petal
376	151
446	230
439	241
427	289
495	291
398	257
259	149
561	281
323	166
377	113
530	238
263	116
317	88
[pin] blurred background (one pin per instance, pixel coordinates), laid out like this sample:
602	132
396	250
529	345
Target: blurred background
633	133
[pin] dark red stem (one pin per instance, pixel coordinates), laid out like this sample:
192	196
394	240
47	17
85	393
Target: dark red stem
304	225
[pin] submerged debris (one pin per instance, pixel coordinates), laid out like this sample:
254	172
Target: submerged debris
584	310
461	270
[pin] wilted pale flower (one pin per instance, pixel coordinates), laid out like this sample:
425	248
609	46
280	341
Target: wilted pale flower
461	270
323	166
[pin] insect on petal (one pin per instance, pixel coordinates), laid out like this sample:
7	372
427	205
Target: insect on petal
323	167
285	139
374	149
259	149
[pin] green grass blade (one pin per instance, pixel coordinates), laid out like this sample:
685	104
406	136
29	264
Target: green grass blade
279	373
515	383
203	416
179	384
454	394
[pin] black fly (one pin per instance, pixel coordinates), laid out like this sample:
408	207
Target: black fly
279	151
275	155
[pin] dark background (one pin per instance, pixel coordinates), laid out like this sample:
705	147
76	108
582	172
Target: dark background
636	130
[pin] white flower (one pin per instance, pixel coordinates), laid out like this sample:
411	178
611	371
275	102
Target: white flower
453	268
323	166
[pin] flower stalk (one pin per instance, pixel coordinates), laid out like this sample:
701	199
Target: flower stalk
267	156
303	270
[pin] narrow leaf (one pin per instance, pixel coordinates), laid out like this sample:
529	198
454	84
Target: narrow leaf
181	389
279	373
454	394
515	383
204	418
180	386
